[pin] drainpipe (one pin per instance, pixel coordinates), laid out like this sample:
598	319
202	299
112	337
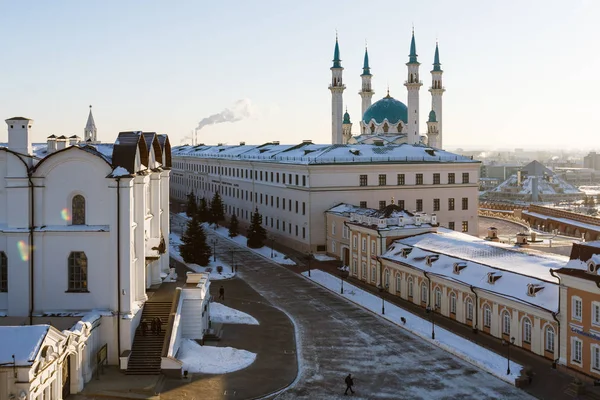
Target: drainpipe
118	267
476	310
378	260
429	290
554	315
31	252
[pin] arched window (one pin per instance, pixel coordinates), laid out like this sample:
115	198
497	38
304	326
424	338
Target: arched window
398	283
78	272
424	293
526	330
385	127
549	338
3	272
78	210
386	281
452	303
487	316
469	309
372	128
438	298
410	287
506	323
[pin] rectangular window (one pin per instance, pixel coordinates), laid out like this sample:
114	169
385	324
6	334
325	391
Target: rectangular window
77	272
436	204
271	177
303	232
576	350
451	204
283	177
363	204
261	175
596	357
596	313
487	317
401	204
419	179
451	226
465	226
283	226
363	271
373	274
401	179
283	203
576	309
3	272
296	206
354	267
277	177
549	339
303	180
333	247
382	179
296	180
277	202
364	245
465	203
419	205
465	177
354	241
381	204
436	179
373	247
296	230
363	180
303	208
290	204
451	178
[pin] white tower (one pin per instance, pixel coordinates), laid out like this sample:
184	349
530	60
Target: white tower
433	133
346	128
366	92
337	102
413	84
89	133
437	90
18	134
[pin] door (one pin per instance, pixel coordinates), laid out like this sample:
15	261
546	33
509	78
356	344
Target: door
66	377
346	259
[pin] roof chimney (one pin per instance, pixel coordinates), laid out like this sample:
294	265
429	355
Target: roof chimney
18	134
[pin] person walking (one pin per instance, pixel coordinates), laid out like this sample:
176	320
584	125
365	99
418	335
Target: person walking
222	293
153	326
349	383
144	327
158	325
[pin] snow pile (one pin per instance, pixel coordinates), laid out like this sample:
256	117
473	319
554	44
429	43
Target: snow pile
457	345
590	190
175	242
222	314
212	360
323	257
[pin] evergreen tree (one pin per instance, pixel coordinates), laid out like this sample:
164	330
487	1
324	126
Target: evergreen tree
216	209
192	207
233	226
194	248
256	233
203	211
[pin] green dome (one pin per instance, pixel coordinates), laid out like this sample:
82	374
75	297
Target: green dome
432	117
388	107
346	118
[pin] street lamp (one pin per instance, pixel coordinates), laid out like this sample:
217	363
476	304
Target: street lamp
343	275
232	260
214	242
507	344
381	290
308	258
432	311
272	240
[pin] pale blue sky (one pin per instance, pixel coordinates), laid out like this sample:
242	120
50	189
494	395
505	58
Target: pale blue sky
517	73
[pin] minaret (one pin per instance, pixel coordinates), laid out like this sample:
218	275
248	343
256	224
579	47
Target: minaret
89	133
366	91
413	84
337	89
346	127
433	133
437	90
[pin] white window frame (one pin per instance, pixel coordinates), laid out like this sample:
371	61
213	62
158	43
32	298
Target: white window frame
469	309
550	336
373	274
333	246
364	271
354	267
596	313
576	350
452	303
595	358
576	313
333	228
354	241
424	293
373	247
438	298
398	283
506	322
345	232
410	287
487	316
527	330
386	277
364	244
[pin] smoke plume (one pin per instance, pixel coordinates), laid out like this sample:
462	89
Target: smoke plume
240	110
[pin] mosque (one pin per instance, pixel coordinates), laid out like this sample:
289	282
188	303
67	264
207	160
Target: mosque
388	121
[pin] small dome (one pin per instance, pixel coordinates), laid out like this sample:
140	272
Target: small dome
387	108
346	118
432	117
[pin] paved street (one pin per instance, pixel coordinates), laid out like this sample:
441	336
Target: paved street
336	337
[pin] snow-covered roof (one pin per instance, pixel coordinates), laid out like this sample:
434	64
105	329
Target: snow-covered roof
563	220
393	217
309	153
512	284
501	256
547	181
23	342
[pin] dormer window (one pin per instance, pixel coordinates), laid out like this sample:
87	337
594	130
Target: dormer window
592	267
493	277
355	152
459	266
431	259
533	288
406	252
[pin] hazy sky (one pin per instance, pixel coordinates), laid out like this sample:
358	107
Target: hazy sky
516	72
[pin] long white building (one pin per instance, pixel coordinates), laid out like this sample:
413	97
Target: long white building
293	185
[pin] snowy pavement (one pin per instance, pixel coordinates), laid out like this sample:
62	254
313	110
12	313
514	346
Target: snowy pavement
336	337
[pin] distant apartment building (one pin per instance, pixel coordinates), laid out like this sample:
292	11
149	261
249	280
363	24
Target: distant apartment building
592	161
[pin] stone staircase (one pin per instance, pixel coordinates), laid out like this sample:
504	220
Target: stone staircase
146	350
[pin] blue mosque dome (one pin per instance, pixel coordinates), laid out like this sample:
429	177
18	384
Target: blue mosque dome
388	107
432	117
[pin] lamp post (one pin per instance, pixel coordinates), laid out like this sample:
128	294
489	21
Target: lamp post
214	241
343	275
308	258
507	344
432	311
381	290
232	260
272	240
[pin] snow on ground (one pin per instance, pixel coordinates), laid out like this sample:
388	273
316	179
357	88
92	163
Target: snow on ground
265	251
222	314
212	360
227	273
590	190
457	345
323	257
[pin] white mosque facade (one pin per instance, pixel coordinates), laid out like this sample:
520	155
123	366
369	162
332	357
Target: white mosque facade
388	121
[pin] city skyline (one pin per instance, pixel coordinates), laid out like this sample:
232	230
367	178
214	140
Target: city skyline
149	66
